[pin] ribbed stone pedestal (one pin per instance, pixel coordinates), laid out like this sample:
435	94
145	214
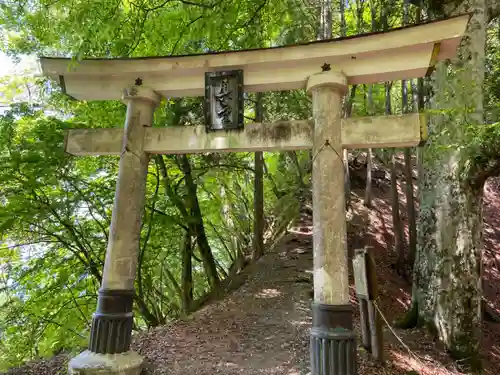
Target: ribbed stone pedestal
333	352
333	341
112	323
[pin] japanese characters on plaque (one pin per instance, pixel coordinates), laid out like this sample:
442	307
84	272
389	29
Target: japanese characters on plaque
224	100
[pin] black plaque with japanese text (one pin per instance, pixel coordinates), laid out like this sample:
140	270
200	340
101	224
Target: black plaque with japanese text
224	100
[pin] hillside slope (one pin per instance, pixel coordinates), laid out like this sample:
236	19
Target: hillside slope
263	327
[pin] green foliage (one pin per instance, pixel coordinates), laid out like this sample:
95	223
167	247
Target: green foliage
55	216
492	74
51	245
481	158
55	210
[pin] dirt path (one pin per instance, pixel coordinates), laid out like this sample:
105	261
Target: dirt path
262	328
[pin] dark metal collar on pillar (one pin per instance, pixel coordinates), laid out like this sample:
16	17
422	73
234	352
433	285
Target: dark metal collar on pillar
112	322
333	341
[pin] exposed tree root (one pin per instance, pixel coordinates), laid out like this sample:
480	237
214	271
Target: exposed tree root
410	319
489	314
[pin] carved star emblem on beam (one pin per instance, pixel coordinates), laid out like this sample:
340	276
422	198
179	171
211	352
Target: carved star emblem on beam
138	81
325	67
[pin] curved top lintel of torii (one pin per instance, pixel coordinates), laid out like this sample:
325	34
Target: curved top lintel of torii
402	53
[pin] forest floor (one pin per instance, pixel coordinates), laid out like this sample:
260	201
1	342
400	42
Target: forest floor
263	327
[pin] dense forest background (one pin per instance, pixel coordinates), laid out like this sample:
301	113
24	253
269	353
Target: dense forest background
208	215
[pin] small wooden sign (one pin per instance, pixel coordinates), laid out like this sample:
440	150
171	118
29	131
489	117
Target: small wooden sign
224	100
364	274
367	290
360	274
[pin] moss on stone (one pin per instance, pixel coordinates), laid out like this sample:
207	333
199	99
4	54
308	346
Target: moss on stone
280	131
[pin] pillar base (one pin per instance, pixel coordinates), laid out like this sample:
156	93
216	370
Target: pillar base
333	341
88	363
111	330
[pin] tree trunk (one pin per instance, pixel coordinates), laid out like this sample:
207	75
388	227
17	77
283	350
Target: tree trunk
300	174
343	25
419	103
150	319
396	218
187	273
345	155
347	112
368	189
369	155
325	19
197	226
420	150
410	203
258	221
447	274
418	106
408	170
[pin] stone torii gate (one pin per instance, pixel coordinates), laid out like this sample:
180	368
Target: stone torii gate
324	69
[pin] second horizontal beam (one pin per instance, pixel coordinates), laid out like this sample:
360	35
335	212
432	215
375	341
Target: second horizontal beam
357	132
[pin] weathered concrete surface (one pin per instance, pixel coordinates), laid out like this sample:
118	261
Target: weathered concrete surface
121	254
88	142
357	132
395	55
383	131
88	363
331	284
283	135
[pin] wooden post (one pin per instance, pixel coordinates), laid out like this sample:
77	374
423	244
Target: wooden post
333	344
258	191
367	291
112	323
364	321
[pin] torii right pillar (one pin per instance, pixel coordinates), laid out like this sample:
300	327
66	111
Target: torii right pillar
333	341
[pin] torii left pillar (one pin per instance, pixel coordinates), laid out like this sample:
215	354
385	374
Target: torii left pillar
109	347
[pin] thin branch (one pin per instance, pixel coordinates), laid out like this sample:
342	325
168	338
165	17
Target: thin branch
228	166
186	2
254	15
70	228
28	244
168	189
211	6
172	279
90	208
244	25
181	34
221	239
89	263
49	321
173	218
73	298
